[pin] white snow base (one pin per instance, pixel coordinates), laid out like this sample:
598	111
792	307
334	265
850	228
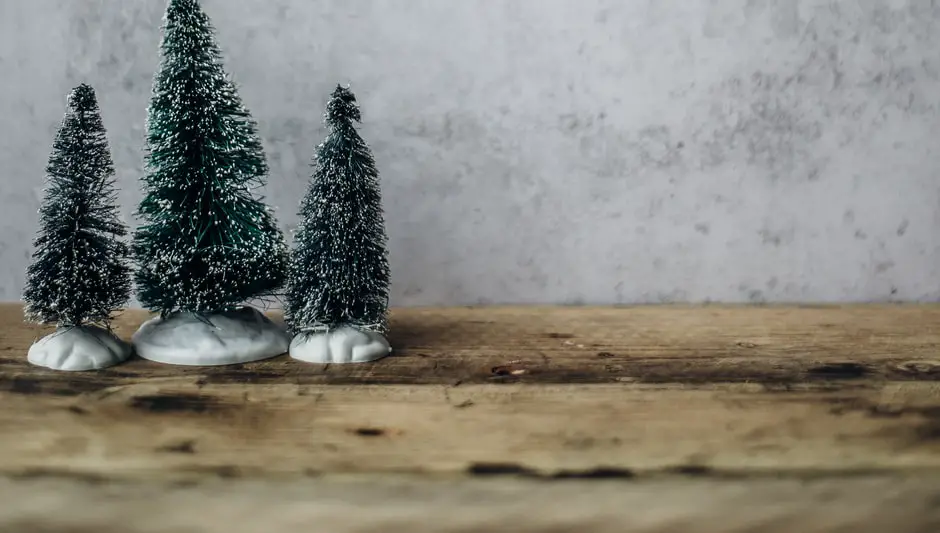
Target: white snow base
239	336
79	348
341	345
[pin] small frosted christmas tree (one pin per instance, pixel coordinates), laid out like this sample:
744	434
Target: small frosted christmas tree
79	275
337	295
207	243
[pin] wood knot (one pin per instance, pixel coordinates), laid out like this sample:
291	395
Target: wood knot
839	371
175	403
499	469
920	367
185	447
369	432
513	368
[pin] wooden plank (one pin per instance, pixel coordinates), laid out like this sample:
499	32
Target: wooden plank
722	390
650	419
777	346
171	428
864	504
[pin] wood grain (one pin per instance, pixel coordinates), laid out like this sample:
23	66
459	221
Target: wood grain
174	429
715	418
773	345
860	504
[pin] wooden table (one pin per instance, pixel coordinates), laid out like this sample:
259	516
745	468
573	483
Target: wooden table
508	419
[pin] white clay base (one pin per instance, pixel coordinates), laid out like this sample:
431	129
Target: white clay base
79	348
340	345
239	336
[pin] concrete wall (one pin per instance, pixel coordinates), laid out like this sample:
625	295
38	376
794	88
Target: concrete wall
570	151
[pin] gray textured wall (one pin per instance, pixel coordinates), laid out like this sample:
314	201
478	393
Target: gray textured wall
572	151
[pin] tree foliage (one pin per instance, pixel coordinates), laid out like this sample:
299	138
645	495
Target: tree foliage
79	271
339	272
207	242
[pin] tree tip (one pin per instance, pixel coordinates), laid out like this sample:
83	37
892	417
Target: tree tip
83	96
342	105
171	3
176	9
343	93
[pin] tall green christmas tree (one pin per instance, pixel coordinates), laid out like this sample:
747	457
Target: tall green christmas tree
207	242
79	273
339	272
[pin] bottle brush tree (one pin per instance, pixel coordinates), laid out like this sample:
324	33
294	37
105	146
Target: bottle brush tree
339	272
207	243
79	274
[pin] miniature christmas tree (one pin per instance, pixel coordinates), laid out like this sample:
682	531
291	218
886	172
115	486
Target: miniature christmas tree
79	274
207	243
337	295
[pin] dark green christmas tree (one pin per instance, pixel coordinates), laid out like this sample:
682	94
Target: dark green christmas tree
79	272
207	242
339	273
